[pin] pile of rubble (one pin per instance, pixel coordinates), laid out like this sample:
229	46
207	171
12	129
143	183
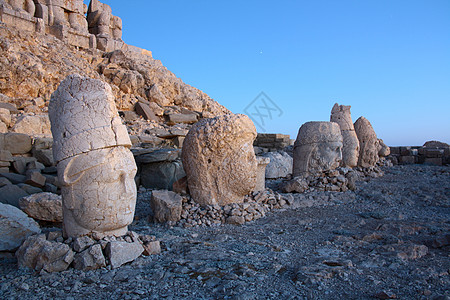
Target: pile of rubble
50	252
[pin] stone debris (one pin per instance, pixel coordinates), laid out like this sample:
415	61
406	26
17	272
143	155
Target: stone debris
15	227
219	159
166	206
43	206
431	153
280	165
90	259
119	253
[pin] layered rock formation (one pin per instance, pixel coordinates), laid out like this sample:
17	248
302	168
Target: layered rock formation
219	159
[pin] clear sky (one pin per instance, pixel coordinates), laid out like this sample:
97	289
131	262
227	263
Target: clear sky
389	60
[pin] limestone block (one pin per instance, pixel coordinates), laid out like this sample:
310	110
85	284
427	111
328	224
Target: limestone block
35	178
95	167
350	150
261	176
145	111
16	143
153	247
15	227
120	253
280	165
90	259
39	254
42	206
166	206
10	194
368	143
5	116
182	118
318	148
219	159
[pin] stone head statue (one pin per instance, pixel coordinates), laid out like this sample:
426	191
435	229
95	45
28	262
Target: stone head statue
318	148
219	159
383	149
95	166
368	142
350	150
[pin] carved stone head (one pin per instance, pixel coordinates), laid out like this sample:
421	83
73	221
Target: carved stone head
368	142
95	166
219	159
318	148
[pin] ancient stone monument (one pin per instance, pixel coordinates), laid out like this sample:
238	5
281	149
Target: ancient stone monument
350	149
106	27
383	149
368	142
318	148
95	166
261	173
219	159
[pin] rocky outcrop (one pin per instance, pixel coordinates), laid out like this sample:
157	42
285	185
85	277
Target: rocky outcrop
219	159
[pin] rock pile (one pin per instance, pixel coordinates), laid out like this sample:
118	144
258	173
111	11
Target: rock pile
50	252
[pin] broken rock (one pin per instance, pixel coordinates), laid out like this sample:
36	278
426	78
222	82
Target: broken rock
120	253
90	259
166	206
43	206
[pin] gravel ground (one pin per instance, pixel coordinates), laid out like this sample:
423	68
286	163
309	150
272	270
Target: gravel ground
388	239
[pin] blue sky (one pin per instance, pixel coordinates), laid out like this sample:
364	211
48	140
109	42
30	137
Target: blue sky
389	60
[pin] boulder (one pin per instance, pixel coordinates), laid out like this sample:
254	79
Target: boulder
166	206
297	185
16	143
5	116
153	247
120	253
42	206
82	242
219	159
44	156
145	111
161	175
15	227
35	178
33	125
368	143
39	254
280	165
10	194
90	259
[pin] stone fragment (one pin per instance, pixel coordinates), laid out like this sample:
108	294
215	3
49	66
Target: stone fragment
383	149
350	150
128	116
317	149
368	143
16	143
166	206
280	165
6	156
33	125
95	167
5	116
120	253
15	227
145	111
42	206
261	173
10	194
44	156
39	254
29	188
297	185
82	242
9	106
235	220
35	178
180	186
14	178
155	95
151	248
90	259
4	181
3	127
182	118
219	159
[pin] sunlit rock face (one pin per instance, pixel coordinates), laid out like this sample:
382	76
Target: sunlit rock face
95	166
350	150
318	148
368	142
219	159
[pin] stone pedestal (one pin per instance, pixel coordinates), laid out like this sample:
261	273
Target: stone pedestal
261	173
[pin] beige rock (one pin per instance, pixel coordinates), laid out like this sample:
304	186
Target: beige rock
33	125
166	206
16	143
368	142
90	259
42	206
5	116
350	150
95	167
383	149
3	127
318	148
261	173
15	227
219	159
120	253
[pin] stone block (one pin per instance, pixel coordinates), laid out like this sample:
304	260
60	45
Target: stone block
145	111
280	165
166	206
14	178
433	153
120	253
10	194
151	248
43	206
153	156
182	118
261	176
16	143
408	159
35	178
90	259
15	227
5	164
29	188
4	181
44	156
6	156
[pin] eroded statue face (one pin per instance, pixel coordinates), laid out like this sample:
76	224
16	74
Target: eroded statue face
99	192
328	155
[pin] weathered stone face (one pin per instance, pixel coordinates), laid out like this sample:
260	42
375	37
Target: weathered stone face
368	142
350	150
94	164
219	159
318	148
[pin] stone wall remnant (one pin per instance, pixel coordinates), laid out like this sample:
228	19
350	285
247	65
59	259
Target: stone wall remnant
219	159
318	148
368	142
350	150
95	166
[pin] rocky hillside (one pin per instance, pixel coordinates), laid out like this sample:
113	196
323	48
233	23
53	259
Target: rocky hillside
32	65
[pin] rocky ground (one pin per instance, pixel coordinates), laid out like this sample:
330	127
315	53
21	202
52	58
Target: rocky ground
388	239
